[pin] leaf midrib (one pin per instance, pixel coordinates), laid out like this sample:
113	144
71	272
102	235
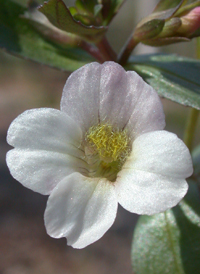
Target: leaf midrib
172	245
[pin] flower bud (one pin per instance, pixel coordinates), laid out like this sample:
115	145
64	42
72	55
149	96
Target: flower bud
179	23
190	22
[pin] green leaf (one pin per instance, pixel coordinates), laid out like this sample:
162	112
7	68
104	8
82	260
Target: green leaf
20	38
173	77
60	16
169	242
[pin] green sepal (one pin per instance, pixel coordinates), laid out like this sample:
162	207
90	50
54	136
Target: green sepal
168	5
149	30
189	5
164	10
159	42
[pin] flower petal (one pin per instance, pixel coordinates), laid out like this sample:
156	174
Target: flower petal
41	170
81	209
126	101
45	129
152	178
148	193
107	93
113	95
146	108
160	152
80	99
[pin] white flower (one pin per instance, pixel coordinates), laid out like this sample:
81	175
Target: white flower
106	146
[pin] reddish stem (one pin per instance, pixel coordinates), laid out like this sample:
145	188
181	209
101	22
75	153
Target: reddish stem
93	51
106	50
127	50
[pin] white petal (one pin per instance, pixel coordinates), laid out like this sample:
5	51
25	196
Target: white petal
160	152
41	170
45	129
80	99
143	192
146	108
107	93
113	95
81	209
127	101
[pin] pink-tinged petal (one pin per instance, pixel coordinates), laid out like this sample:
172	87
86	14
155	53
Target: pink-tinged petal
80	99
108	94
160	152
148	193
113	95
81	209
45	129
126	101
41	170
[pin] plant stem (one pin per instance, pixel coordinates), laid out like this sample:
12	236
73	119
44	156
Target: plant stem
190	127
194	113
198	47
93	51
106	50
127	50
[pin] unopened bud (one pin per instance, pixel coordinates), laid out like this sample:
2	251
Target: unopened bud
170	27
190	22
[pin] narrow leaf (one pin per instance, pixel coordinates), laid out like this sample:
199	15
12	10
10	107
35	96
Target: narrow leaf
20	38
169	242
173	77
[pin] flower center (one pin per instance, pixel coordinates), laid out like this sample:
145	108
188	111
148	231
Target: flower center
107	146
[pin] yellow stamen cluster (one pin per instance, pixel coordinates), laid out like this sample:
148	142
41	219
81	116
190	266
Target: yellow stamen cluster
111	144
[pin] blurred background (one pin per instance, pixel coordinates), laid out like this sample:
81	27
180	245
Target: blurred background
25	247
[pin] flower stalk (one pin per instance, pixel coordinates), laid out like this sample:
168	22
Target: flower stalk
106	50
127	50
93	51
